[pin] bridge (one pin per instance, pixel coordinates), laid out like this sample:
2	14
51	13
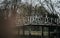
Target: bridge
38	20
39	27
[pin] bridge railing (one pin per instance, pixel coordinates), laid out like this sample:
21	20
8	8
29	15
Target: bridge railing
38	20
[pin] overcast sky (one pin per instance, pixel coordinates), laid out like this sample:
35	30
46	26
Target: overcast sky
34	2
1	1
53	1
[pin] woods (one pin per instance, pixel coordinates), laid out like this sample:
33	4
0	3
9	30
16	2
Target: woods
14	13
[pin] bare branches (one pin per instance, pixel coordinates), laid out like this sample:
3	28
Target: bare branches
49	4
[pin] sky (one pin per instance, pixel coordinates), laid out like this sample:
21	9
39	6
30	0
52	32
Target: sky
34	2
1	1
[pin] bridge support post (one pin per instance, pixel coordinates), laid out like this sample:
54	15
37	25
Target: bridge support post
49	31
42	32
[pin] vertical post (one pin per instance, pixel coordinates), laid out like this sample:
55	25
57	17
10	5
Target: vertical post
23	31
30	32
42	31
18	31
49	31
56	29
